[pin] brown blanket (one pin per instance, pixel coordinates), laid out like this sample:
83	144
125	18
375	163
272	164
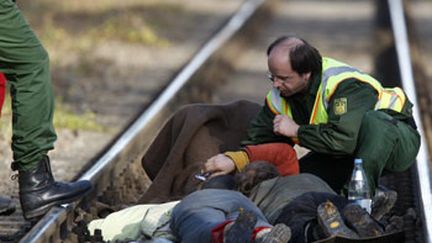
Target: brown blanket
191	136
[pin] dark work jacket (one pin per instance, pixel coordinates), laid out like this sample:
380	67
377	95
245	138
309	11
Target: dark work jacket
339	135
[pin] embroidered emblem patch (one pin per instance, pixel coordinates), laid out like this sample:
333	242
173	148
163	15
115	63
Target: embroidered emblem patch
340	106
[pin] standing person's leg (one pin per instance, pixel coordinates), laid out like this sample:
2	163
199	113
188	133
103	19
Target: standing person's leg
25	63
385	143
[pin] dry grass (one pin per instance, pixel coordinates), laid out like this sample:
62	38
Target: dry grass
77	26
69	30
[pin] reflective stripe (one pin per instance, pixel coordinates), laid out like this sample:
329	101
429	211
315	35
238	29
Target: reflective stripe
377	105
274	101
392	101
277	103
333	71
389	100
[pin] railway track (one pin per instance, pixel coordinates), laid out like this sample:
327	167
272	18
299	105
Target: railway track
210	76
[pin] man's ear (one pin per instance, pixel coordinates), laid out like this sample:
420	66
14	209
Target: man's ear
307	75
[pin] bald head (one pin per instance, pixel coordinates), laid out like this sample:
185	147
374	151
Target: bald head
296	52
280	52
284	44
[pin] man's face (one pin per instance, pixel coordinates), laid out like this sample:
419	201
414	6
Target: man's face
286	80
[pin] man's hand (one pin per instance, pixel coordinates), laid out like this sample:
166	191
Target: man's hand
219	164
283	125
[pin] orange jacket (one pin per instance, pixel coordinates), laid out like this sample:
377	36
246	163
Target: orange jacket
282	155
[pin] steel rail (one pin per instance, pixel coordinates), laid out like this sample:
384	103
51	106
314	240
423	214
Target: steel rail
235	23
44	230
50	222
404	58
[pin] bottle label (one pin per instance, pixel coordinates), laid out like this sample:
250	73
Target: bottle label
358	176
364	203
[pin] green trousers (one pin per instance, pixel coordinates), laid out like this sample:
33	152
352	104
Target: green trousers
25	63
384	143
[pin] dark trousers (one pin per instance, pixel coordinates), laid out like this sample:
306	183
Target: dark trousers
200	212
301	214
25	64
384	143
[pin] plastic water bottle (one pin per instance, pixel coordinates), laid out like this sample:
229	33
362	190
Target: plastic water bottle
358	189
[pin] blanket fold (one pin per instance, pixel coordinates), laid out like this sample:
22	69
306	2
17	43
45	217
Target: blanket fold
191	136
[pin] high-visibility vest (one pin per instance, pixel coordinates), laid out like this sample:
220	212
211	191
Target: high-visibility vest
333	73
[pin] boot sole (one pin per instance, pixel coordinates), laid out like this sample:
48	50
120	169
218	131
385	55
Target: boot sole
32	214
331	221
361	221
379	209
280	233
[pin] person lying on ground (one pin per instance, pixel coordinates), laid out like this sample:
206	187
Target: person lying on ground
152	220
304	203
293	201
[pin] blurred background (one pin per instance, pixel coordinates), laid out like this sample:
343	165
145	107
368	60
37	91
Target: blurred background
108	59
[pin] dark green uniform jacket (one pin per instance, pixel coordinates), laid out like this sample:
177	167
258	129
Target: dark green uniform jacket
384	139
339	135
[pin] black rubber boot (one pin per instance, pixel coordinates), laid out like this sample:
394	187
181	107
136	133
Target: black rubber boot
7	206
39	191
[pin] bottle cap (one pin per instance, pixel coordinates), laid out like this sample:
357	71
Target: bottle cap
358	161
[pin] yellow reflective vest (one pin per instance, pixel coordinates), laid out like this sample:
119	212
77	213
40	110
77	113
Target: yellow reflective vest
333	73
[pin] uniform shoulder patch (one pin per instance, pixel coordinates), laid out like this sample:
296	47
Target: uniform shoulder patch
340	106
